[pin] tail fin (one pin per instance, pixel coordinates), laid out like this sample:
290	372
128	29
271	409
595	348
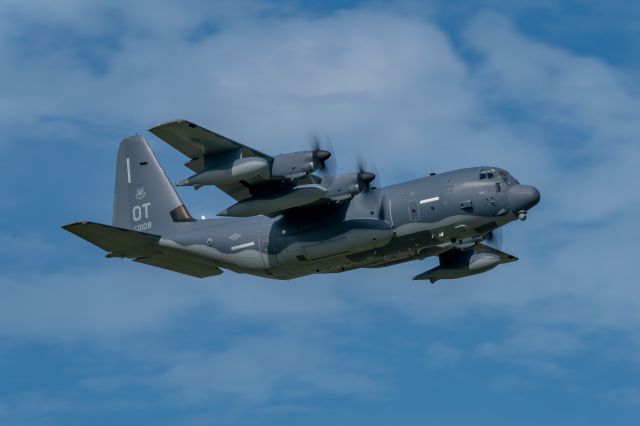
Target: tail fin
144	198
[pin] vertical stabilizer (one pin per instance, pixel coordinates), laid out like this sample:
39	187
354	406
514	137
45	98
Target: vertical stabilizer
144	198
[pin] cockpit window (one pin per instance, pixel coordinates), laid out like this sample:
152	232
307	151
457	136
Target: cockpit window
487	173
505	178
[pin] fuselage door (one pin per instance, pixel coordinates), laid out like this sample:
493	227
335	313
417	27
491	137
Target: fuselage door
267	247
414	213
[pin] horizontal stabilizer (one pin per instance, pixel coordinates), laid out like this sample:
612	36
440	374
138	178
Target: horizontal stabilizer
118	242
181	265
139	246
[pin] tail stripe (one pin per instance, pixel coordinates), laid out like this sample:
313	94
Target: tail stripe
181	214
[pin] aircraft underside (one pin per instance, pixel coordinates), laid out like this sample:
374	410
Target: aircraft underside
288	221
277	255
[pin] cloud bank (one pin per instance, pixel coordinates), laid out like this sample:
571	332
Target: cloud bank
267	75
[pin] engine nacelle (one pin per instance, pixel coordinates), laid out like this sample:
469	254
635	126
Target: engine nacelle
347	185
294	164
458	264
343	186
229	171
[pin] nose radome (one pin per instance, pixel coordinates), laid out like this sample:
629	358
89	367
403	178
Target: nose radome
523	197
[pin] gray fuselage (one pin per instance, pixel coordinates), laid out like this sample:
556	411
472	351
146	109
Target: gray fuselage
398	223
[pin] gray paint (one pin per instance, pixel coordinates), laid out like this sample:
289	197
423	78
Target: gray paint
143	193
227	172
448	215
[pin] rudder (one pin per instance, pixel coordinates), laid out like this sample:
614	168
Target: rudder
144	199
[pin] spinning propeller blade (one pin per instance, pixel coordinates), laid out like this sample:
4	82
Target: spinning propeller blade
372	196
323	159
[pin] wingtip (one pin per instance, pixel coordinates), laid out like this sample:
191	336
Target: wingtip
422	278
68	226
167	123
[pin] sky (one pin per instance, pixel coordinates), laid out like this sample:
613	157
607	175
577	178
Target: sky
546	89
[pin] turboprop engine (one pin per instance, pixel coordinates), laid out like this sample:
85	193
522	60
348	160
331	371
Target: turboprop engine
346	185
234	168
297	164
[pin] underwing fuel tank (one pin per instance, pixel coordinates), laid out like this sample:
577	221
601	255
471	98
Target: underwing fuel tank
458	264
231	171
298	196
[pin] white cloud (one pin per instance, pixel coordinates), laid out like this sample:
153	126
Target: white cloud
79	304
279	347
583	111
370	79
121	299
534	342
260	369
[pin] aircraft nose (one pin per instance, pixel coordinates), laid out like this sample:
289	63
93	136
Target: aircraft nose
523	197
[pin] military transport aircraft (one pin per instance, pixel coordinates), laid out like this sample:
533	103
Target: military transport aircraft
293	219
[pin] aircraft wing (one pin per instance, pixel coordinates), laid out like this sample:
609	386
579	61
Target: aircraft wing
197	142
140	247
202	145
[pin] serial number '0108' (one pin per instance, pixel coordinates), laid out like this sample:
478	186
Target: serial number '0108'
142	226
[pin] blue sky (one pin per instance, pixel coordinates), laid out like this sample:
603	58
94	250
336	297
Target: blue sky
547	89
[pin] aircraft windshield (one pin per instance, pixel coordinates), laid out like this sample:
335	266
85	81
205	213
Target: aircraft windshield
507	178
487	173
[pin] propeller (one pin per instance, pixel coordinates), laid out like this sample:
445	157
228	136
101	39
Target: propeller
321	151
365	178
494	238
323	159
372	196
